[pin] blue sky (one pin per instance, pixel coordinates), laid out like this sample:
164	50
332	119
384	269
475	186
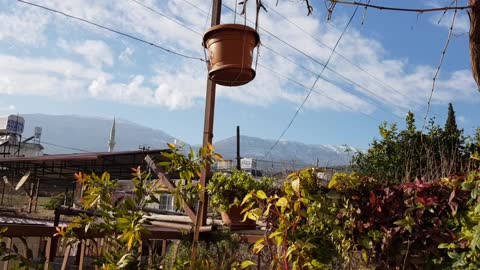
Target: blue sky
54	65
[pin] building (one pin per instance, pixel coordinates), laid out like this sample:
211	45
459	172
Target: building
12	144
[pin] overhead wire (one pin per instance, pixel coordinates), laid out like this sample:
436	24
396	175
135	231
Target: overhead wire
284	76
317	92
313	85
66	147
331	69
112	30
166	17
335	72
316	61
337	53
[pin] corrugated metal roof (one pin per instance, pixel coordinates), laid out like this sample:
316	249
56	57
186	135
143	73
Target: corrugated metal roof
82	156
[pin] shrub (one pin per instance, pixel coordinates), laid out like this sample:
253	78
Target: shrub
357	221
57	200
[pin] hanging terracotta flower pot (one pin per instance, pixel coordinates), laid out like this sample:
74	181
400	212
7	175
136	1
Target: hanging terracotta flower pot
230	48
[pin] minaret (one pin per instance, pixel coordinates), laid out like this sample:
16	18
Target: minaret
111	141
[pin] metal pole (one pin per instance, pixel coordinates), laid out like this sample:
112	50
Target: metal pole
36	194
201	218
239	167
3	192
30	201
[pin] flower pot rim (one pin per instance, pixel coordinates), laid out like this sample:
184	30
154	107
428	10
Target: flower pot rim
227	27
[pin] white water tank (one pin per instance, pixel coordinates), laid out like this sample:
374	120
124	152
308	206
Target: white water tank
12	124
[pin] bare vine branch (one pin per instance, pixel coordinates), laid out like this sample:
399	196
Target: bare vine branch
420	10
434	80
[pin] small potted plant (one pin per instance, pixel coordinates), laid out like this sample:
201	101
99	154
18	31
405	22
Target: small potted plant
226	193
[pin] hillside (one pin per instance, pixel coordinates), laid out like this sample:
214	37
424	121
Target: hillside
77	133
91	133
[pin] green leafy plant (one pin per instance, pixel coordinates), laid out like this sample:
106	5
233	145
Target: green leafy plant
56	201
227	190
121	222
304	231
188	168
222	251
21	261
404	155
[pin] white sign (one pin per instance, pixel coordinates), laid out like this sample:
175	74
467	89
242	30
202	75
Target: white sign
246	163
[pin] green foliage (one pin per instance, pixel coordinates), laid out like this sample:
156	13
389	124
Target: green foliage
227	190
122	222
357	222
464	251
223	251
56	201
302	219
402	156
188	167
22	261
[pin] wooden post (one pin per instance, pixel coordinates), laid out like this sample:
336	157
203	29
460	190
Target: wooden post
83	243
9	244
239	167
53	246
65	257
201	218
36	195
47	254
3	191
30	195
170	185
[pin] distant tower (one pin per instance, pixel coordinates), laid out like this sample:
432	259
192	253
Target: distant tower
111	141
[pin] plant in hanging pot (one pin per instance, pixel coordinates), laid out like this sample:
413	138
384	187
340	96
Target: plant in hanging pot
226	192
230	50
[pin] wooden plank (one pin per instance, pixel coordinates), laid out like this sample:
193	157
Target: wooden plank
65	257
9	244
170	184
47	254
83	243
16	230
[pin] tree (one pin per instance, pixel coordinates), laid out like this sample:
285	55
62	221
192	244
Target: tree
402	156
451	123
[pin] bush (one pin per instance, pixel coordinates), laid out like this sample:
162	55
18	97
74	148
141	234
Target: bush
357	221
228	190
57	200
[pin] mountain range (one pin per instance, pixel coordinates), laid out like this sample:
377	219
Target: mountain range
71	133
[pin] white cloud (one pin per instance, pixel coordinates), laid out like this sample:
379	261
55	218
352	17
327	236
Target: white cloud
96	52
23	26
462	119
126	56
178	84
44	76
171	89
462	22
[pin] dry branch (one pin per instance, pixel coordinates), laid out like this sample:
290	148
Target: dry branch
419	10
434	80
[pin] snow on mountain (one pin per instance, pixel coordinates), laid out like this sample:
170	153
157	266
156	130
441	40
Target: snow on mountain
76	133
91	134
252	147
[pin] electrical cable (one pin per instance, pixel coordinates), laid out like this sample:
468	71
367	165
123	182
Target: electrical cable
317	92
335	72
337	53
314	83
66	147
112	30
166	17
331	69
